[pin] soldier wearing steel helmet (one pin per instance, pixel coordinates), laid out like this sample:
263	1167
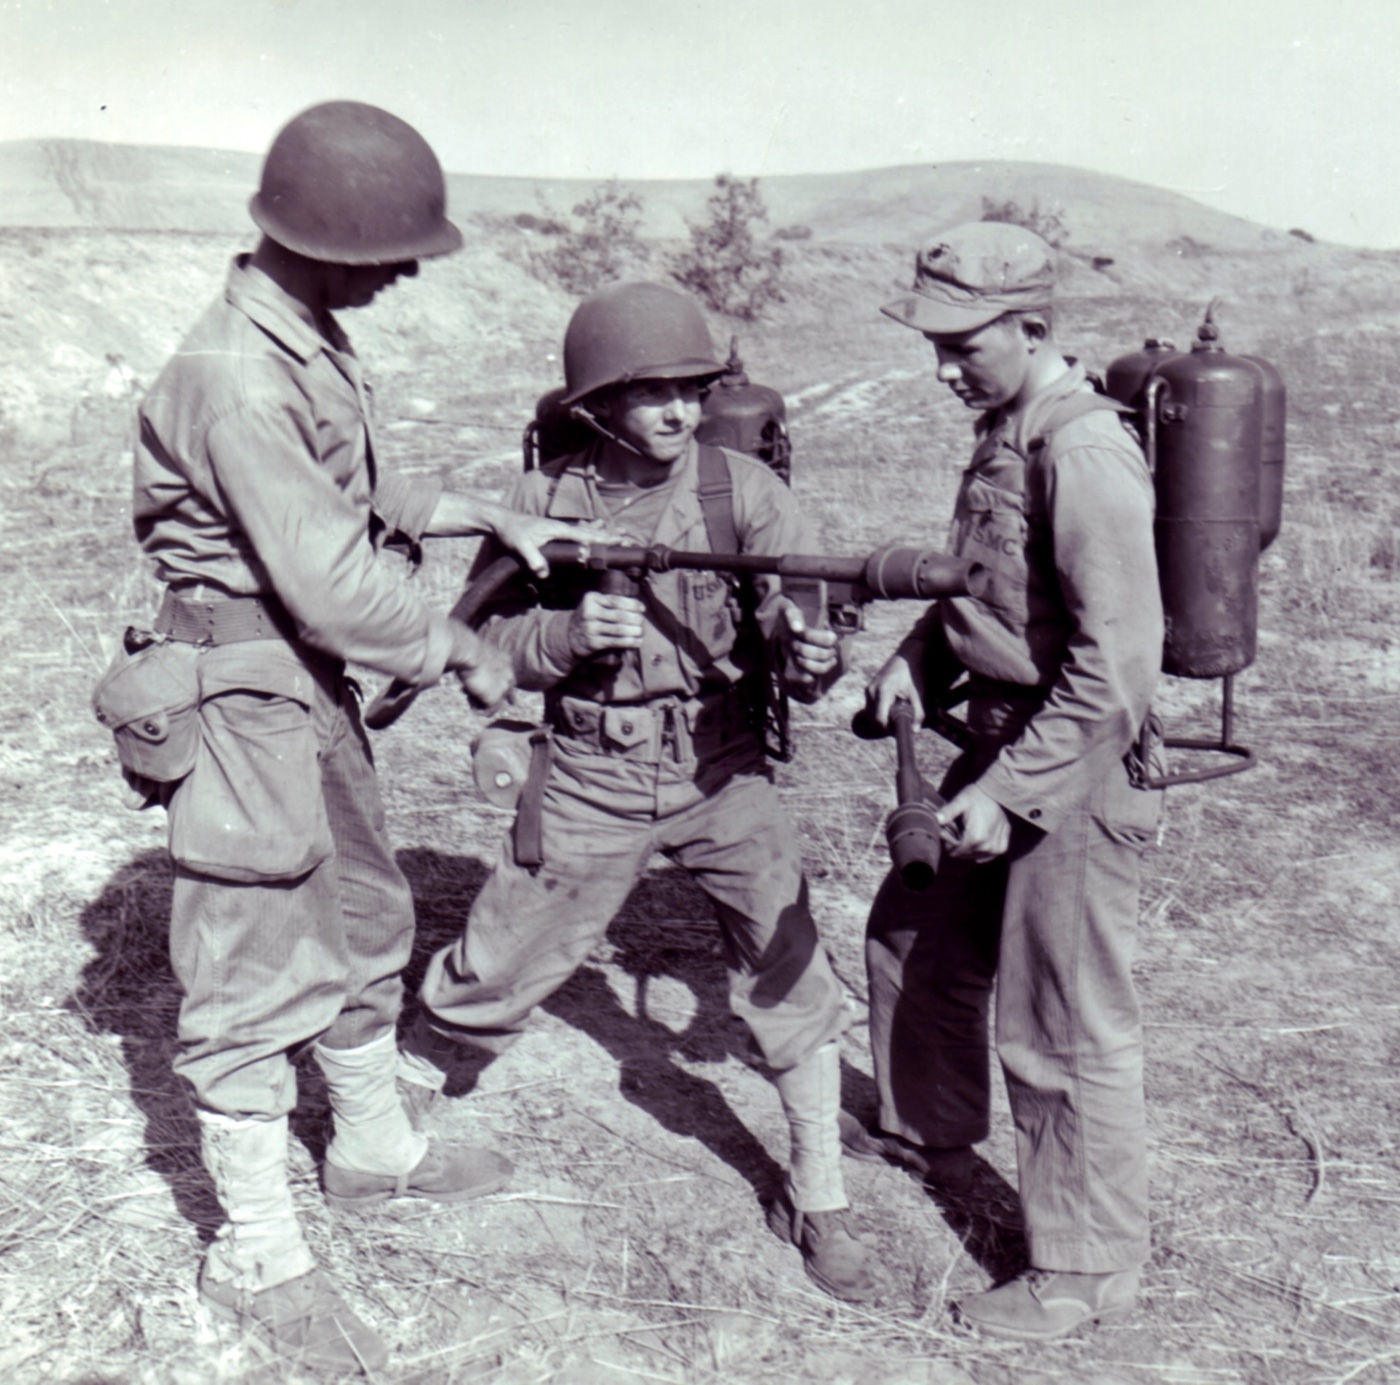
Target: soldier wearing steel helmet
655	747
1040	889
264	506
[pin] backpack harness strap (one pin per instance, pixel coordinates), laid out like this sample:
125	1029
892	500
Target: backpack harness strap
769	696
1074	406
716	493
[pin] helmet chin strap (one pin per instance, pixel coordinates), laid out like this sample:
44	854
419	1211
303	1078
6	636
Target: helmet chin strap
584	415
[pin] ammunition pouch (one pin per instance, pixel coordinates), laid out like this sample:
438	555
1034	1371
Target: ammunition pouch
149	700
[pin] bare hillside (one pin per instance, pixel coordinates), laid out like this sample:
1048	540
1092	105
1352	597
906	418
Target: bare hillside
64	183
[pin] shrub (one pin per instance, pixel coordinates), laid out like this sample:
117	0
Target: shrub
726	266
1046	222
798	232
598	247
545	225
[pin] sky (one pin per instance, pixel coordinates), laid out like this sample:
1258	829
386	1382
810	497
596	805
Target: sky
1283	111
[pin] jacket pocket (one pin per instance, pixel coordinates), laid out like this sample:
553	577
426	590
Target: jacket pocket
251	809
991	528
1127	814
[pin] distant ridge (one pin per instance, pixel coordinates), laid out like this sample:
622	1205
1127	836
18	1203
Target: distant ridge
58	183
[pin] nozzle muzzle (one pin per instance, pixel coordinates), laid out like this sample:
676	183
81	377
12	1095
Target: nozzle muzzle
912	832
896	573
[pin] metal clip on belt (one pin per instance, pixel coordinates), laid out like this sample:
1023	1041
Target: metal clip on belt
223	620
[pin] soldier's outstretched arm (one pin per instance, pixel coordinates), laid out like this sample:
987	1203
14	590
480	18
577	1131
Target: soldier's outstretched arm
458	515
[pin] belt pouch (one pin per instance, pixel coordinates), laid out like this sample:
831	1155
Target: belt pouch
501	760
252	808
149	701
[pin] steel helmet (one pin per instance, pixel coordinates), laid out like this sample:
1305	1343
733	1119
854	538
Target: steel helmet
351	184
635	332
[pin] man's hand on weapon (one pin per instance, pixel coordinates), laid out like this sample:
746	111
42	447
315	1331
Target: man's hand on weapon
808	655
603	621
897	678
986	828
483	670
527	535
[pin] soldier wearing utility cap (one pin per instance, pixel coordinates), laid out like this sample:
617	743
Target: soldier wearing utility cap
260	497
1040	888
655	747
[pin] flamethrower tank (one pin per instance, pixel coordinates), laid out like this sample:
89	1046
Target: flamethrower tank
554	431
1214	435
1275	414
747	418
1205	439
1127	377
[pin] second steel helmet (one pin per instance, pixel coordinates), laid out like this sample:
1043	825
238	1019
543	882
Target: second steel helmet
635	332
348	183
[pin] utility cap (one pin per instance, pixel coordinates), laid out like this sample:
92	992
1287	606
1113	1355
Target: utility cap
972	274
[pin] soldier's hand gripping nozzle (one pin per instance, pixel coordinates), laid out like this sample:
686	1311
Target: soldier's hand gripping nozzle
912	829
890	573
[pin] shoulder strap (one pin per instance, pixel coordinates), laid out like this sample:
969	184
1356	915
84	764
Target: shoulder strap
716	493
1074	406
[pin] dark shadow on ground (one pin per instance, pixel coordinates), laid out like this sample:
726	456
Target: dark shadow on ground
665	929
128	990
988	1222
987	1219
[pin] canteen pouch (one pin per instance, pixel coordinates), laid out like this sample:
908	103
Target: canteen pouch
149	700
251	809
501	757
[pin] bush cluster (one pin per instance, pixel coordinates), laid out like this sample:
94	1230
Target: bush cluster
726	265
1046	222
729	265
598	246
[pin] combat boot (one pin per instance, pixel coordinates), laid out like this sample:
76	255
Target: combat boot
375	1153
303	1319
454	1173
1040	1305
259	1273
949	1170
811	1211
836	1261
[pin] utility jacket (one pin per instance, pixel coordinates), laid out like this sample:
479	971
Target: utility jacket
691	619
1073	607
256	474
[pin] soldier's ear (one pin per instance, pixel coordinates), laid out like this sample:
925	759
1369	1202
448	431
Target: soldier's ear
1035	327
604	402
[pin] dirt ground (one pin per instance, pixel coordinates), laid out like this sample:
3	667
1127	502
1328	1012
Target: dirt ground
631	1245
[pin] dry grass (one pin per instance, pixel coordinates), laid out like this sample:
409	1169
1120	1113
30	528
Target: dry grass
632	1247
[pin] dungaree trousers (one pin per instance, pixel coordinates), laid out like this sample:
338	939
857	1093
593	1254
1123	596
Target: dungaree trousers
1053	924
291	920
